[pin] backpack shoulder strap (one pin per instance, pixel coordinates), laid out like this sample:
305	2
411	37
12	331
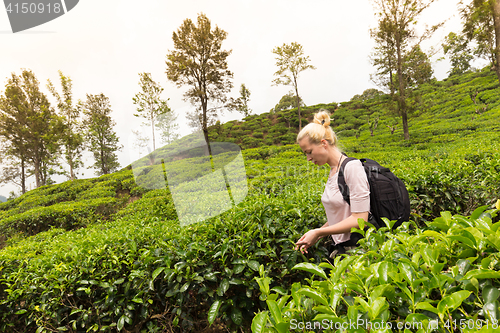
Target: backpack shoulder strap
344	189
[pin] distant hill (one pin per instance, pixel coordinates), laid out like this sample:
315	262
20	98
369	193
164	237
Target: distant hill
462	103
2	198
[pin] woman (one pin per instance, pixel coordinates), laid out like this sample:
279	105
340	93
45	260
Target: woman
318	141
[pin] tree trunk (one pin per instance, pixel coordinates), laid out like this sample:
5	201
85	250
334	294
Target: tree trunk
204	127
71	172
153	131
70	159
298	102
402	95
23	177
496	23
104	169
37	172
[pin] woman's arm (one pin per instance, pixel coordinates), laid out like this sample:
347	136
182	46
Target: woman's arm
312	236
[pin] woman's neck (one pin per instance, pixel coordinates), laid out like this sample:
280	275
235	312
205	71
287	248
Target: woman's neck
335	158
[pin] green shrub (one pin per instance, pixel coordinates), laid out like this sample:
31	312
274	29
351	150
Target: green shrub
258	135
67	215
442	277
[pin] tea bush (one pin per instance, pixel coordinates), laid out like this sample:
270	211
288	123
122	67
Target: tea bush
145	264
442	279
67	215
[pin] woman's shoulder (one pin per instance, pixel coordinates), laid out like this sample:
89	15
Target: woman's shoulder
354	163
354	168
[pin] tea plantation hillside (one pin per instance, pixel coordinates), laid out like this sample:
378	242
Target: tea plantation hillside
444	111
108	255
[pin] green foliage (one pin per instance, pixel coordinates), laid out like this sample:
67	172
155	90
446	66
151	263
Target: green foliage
103	142
133	267
30	128
444	277
291	61
199	62
72	139
151	106
457	49
67	215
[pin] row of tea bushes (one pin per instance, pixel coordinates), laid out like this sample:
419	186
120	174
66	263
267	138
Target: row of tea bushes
68	205
143	270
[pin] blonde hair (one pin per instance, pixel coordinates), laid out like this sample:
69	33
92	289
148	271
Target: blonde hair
319	129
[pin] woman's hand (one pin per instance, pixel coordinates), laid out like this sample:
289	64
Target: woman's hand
307	240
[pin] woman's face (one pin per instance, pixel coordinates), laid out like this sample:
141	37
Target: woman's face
315	153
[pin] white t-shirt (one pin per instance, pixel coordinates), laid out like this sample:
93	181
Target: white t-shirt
336	208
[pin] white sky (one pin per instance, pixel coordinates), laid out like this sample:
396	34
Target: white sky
102	45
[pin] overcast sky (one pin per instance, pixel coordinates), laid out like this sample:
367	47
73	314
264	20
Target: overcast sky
102	45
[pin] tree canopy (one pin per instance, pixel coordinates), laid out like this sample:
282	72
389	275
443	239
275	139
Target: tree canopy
102	139
30	128
199	63
288	101
72	138
457	49
399	61
482	25
150	105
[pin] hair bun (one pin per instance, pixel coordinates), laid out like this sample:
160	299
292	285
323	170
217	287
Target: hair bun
322	118
317	133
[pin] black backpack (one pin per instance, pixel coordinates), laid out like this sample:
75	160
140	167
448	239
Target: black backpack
388	195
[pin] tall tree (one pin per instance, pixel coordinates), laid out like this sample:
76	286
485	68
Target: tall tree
291	61
482	24
167	127
244	99
13	130
72	138
30	126
396	45
384	57
199	62
102	139
14	169
240	104
149	101
458	50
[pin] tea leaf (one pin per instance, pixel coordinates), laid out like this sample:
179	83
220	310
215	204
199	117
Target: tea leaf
275	311
427	306
214	311
490	294
481	274
314	295
236	316
253	265
259	322
157	272
311	269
